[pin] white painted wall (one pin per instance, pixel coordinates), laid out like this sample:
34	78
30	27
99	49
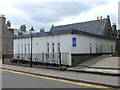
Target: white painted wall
65	40
83	44
39	45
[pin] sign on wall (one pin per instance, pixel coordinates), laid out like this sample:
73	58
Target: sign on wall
74	41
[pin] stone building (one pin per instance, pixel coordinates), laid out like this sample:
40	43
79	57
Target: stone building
6	44
6	31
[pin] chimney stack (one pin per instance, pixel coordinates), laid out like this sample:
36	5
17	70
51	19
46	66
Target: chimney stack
3	20
8	24
23	27
52	26
114	30
42	30
1	15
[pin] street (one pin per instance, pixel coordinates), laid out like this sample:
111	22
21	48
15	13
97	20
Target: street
16	80
10	80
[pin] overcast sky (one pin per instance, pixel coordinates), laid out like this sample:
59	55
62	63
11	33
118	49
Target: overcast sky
45	13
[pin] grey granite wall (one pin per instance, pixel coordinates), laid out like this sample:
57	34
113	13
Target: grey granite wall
6	44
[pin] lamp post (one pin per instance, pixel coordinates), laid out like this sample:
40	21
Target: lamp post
31	45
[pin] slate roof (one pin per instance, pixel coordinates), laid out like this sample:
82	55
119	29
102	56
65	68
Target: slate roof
95	26
59	32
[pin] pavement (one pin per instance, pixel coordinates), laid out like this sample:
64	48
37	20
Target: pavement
106	61
96	71
105	64
99	79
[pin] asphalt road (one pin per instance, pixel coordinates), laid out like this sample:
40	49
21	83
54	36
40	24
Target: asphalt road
16	80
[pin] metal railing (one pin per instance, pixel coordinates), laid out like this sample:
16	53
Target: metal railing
56	59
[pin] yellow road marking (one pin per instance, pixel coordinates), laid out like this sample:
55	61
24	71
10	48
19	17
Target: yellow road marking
60	80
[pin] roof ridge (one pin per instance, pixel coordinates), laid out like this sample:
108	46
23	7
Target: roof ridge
79	23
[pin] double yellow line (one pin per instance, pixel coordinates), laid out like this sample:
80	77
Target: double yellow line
60	80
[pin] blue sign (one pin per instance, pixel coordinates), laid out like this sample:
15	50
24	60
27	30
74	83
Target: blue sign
74	41
74	44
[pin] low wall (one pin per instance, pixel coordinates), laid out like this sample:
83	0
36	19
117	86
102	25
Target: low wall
79	58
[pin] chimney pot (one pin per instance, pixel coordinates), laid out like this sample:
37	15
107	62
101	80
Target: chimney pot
42	30
108	16
23	27
97	18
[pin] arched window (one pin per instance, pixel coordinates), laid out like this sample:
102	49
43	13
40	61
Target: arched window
53	51
18	48
53	48
47	47
90	48
22	49
58	47
25	48
96	48
28	48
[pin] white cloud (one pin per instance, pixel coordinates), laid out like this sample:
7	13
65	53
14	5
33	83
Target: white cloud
29	12
110	8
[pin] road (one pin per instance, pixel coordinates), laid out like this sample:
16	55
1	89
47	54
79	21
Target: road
24	80
12	80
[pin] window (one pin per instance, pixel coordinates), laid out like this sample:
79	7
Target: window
25	48
101	48
53	49
22	49
47	55
58	47
47	47
96	48
19	48
90	48
28	48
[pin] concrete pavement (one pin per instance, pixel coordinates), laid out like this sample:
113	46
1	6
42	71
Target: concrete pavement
104	64
96	71
106	61
68	75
